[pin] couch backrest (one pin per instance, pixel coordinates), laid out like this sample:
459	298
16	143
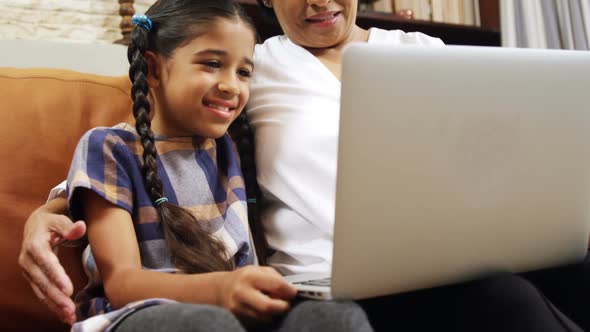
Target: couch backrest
100	59
43	114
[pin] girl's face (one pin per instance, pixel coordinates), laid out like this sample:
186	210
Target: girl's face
316	23
204	85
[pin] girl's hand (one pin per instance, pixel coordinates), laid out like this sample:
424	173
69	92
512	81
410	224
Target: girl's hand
256	292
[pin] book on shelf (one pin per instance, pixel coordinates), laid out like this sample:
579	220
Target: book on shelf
476	13
451	11
464	12
437	10
384	6
403	5
468	7
422	10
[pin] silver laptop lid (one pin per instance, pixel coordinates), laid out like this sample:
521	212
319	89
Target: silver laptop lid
454	161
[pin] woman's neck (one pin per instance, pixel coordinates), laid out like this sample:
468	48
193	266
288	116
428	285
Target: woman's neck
331	57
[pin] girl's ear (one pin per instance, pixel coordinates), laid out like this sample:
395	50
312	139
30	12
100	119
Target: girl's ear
153	62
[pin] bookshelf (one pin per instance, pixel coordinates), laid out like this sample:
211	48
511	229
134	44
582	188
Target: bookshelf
486	35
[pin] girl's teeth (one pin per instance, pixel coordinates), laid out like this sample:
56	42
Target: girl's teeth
220	108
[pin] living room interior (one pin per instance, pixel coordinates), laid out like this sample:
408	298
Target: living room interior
61	59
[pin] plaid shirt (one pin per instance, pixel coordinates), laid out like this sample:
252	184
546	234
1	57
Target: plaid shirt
108	162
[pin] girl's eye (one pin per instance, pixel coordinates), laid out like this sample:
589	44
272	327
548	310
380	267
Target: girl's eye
244	73
212	64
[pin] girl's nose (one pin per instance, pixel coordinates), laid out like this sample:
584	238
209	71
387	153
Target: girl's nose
230	89
318	2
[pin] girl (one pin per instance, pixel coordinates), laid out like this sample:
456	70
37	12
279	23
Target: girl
167	195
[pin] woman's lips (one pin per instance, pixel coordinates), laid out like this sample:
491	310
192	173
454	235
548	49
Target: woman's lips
323	19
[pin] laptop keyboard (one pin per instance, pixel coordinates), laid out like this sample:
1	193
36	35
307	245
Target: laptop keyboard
317	282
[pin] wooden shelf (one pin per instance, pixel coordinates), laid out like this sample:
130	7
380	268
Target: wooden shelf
449	33
487	35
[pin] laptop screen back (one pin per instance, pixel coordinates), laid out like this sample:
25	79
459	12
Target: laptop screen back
457	161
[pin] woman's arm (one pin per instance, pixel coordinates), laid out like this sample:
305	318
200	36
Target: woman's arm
46	228
251	292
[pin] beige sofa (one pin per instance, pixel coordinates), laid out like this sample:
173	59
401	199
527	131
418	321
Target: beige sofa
51	94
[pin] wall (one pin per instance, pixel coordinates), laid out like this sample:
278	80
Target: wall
86	21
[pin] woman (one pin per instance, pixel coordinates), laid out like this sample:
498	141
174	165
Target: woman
294	108
294	111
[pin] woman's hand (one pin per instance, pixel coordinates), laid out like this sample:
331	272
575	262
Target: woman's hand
256	292
44	231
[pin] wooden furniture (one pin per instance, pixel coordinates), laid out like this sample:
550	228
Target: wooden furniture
486	35
126	10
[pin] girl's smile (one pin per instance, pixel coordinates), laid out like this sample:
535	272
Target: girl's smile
221	108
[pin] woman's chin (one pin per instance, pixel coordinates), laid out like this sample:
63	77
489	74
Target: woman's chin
328	39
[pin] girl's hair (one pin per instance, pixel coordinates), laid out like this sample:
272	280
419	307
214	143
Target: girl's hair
175	23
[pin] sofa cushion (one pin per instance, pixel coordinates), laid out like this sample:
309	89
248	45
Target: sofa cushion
44	113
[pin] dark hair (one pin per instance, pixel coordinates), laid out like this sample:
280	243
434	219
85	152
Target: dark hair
174	23
243	136
267	14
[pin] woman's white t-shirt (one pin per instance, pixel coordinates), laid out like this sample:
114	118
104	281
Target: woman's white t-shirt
294	110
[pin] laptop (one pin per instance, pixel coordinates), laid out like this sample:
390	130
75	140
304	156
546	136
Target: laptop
455	162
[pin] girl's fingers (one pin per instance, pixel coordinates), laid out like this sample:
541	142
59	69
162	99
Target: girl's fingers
262	304
275	285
